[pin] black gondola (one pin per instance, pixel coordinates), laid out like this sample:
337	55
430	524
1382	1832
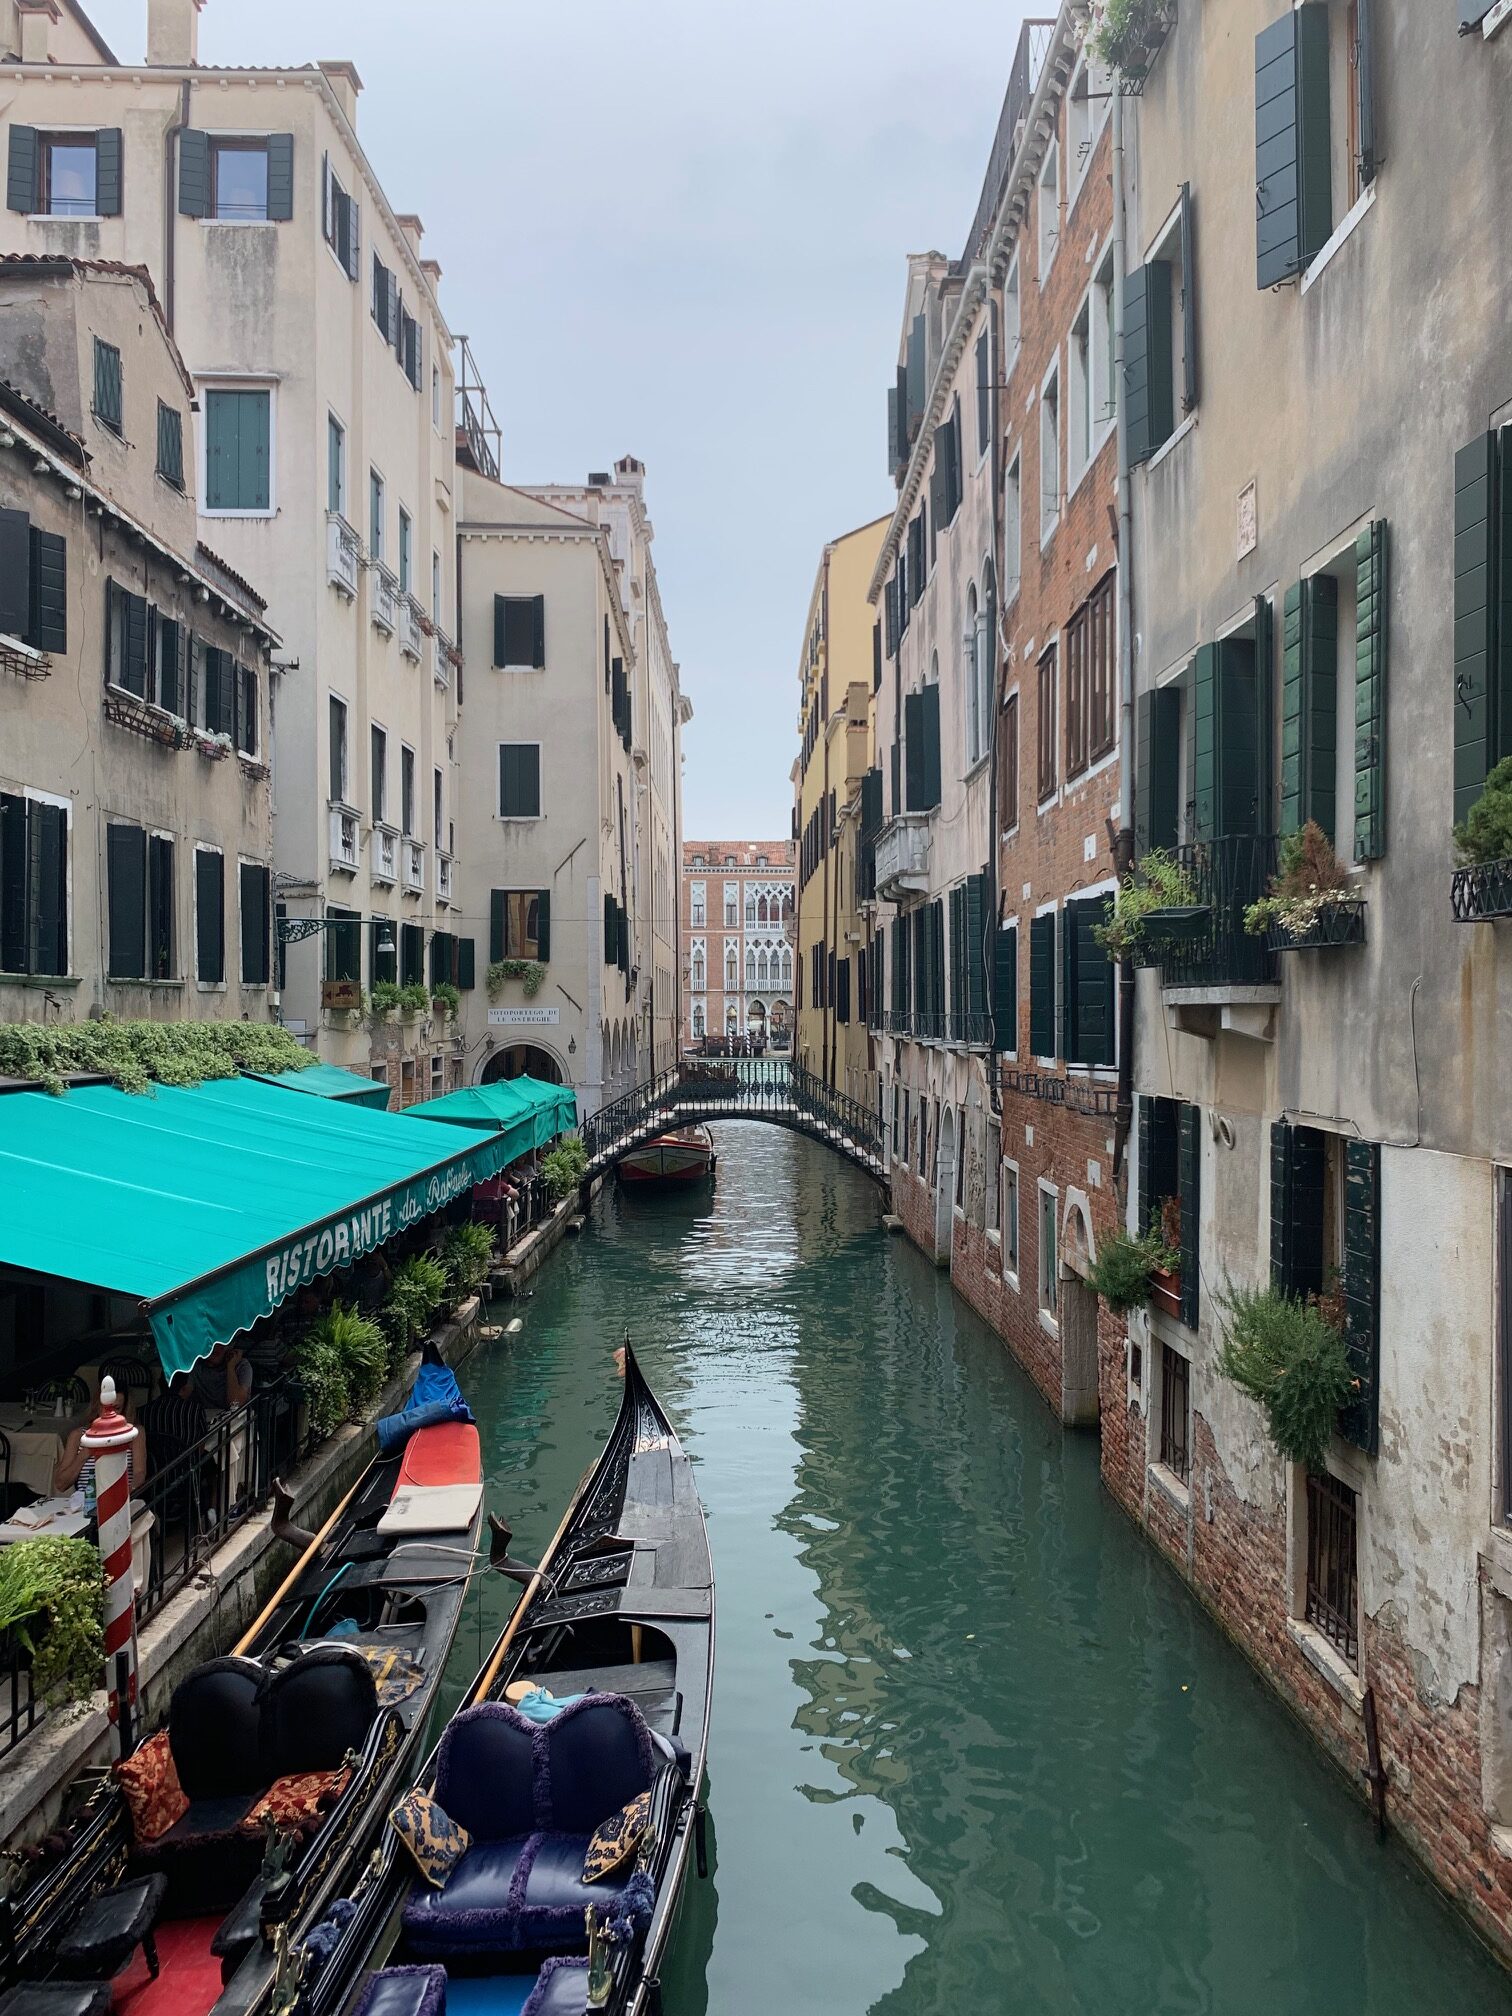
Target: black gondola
335	1676
619	1615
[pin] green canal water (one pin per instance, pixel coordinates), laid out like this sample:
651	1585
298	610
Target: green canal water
974	1748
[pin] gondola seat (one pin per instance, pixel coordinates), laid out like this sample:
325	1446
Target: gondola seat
530	1797
561	1989
56	1998
405	1991
109	1929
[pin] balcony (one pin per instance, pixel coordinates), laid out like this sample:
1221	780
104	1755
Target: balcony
444	878
971	1027
384	606
441	657
414	866
1214	974
411	636
343	555
1482	892
343	840
903	857
384	866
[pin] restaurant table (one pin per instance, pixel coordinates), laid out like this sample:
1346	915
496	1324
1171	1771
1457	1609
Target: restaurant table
65	1517
36	1442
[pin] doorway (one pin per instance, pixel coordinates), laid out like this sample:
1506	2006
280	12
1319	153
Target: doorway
945	1168
522	1060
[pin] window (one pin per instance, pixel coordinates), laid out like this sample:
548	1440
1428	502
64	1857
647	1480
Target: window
411	955
1010	762
991	1186
436	396
256	940
438	786
33	583
1049	209
519	780
343	945
971	645
731	905
1089	680
238	435
697	901
1175	1413
984	393
210	916
107	386
1332	1599
1293	196
1160	334
1012	319
375	515
1093	390
1050	471
408	346
1087	108
699	970
244	687
519	924
732	969
1047	724
1081	427
406	539
379	758
1011	1217
1013	530
698	1022
436	588
168	666
335	466
139	880
1504	1333
239	180
1049	1285
519	631
407	792
341	222
70	165
338	719
170	445
923	1163
33	885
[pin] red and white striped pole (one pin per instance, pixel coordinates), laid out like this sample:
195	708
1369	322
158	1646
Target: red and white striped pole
109	1440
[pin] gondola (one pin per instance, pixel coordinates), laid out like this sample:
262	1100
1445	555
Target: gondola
223	1833
616	1626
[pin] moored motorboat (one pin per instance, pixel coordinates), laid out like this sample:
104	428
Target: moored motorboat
682	1157
222	1834
580	1747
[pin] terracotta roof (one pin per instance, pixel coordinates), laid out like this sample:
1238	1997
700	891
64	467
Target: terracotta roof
47	424
233	579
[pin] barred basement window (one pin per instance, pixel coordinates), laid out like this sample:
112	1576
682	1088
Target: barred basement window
1332	1564
1175	1410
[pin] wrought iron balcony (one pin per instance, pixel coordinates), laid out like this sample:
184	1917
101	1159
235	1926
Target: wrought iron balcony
903	856
1335	924
343	555
385	599
1205	947
414	866
411	637
343	840
384	866
972	1027
1482	892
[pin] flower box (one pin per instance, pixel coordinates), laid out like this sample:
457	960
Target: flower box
1165	1291
1334	924
1178	924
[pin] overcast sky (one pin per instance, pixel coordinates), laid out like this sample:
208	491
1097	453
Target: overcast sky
676	229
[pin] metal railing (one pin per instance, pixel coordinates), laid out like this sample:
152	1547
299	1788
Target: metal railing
1482	891
743	1089
411	636
1214	949
20	1710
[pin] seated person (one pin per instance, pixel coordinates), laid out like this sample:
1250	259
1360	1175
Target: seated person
223	1379
177	1415
74	1469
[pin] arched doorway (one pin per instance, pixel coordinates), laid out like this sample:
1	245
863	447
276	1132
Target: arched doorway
756	1018
945	1165
1078	1315
522	1060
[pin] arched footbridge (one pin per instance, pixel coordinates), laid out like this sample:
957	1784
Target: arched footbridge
758	1088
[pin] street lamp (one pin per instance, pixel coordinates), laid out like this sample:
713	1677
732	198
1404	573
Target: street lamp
294	930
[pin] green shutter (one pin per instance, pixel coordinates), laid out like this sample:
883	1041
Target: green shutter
253	907
280	177
501	630
13	882
611	930
538	630
1149	386
50	888
1189	1189
1280	1206
916	355
132	671
913	751
170	647
1094	982
126	872
1005	989
1206	808
1293	203
1370	693
1144	1202
622	941
1042	985
467	965
1157	797
194	174
543	926
170	445
1297	1184
210	916
1188	303
21	182
1359	1421
108	172
1066	1034
976	971
496	916
107	385
1225	741
1475	618
15	574
931	716
1309	705
1293	712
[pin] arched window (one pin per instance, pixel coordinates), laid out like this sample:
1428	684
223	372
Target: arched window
762	970
986	650
750	969
971	685
732	969
787	969
698	1020
732	1020
698	970
750	907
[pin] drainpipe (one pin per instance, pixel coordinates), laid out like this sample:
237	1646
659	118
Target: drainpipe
1123	844
170	199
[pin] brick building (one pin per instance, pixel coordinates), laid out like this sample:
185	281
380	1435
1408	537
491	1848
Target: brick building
738	942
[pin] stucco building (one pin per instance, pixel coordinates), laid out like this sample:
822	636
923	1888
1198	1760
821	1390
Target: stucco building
137	695
323	444
738	941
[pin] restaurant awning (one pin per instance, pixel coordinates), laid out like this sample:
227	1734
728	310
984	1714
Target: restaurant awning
525	1112
211	1204
329	1081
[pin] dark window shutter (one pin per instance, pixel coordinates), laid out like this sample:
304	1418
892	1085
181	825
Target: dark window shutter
1148	393
134	667
254	924
1365	88
1370	693
1225	742
49	594
930	698
622	940
1280	1205
382	965
1042	985
1293	202
170	684
108	172
543	926
210	916
1005	989
913	751
501	630
1094	983
411	955
1189	1181
49	888
611	930
440	957
1309	704
1359	1420
894	430
976	971
162	930
1296	1202
916	358
983	393
1188	301
467	965
126	871
1144	1193
538	630
15	575
280	177
170	445
496	923
107	386
246	681
1157	798
21	190
194	174
1476	516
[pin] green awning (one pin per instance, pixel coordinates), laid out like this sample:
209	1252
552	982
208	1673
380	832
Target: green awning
329	1081
525	1112
211	1204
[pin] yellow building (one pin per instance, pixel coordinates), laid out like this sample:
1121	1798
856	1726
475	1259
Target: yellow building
838	672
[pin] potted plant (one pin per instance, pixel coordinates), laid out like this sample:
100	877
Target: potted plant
383	996
1127	35
416	1292
446	998
1288	1355
529	972
564	1167
1165	1274
1156	904
466	1252
414	999
1483	882
52	1601
1311	901
1123	1272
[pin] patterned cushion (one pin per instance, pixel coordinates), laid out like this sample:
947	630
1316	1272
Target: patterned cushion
431	1836
149	1784
616	1839
298	1803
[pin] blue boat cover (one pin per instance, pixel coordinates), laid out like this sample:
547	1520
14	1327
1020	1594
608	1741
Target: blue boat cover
435	1396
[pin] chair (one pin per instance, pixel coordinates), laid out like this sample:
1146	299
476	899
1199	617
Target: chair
314	1710
11	1495
530	1797
131	1375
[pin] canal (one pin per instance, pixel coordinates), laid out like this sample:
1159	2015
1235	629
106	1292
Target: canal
974	1747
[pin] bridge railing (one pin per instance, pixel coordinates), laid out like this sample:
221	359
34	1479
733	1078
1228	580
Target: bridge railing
756	1087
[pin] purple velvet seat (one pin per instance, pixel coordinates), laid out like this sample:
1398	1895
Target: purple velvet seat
561	1989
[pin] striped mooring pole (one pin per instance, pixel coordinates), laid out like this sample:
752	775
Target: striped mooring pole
109	1440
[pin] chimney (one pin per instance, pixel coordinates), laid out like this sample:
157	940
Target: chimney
173	33
431	268
37	20
344	81
412	228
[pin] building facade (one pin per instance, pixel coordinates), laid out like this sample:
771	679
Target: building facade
738	939
136	846
1324	637
836	811
324	450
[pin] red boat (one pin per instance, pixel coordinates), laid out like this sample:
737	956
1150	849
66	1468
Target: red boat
671	1160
